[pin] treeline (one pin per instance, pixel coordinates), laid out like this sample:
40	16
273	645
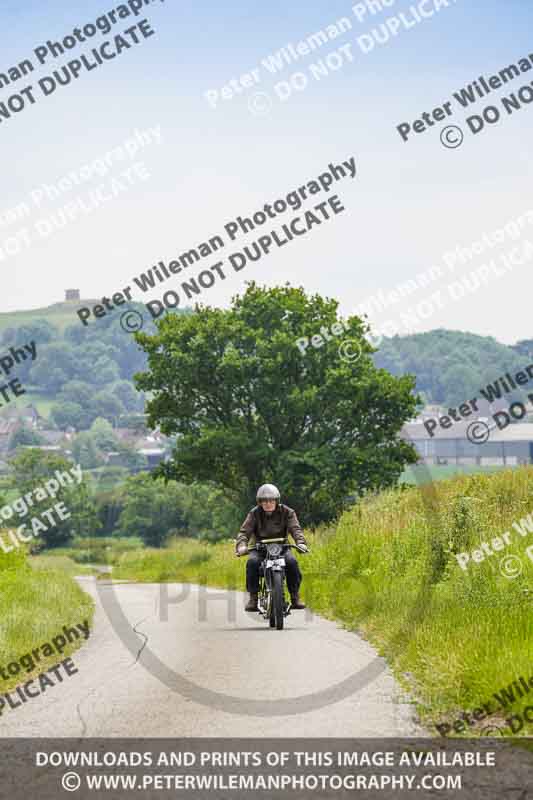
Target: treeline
153	510
141	507
88	371
450	365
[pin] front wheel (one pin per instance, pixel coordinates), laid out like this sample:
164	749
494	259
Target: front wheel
276	613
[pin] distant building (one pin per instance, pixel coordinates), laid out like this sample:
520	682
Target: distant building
509	447
72	295
8	427
26	414
55	437
153	455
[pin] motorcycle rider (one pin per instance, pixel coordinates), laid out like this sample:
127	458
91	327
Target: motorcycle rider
270	519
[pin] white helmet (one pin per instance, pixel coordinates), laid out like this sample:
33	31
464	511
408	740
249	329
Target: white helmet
267	492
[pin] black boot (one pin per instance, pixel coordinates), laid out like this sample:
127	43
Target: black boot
252	603
296	602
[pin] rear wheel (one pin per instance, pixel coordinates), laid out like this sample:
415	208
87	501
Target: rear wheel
276	613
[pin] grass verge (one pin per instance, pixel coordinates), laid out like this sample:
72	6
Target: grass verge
35	604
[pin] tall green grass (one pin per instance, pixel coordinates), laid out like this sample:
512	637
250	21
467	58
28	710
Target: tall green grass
34	606
388	570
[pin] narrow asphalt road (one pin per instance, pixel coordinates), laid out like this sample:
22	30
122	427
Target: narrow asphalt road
181	660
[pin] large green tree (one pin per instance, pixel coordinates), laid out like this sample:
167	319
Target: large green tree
70	415
128	396
102	431
107	405
249	406
76	392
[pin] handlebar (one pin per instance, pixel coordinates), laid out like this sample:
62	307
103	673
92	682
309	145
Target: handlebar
279	539
249	549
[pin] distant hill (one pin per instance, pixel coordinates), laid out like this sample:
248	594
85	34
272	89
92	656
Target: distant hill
59	314
79	372
451	366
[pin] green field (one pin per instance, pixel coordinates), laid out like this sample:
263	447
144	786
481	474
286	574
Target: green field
420	474
42	402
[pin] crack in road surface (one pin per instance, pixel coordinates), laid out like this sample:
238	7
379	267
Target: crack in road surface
140	633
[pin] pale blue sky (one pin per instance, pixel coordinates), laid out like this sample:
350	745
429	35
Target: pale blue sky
409	204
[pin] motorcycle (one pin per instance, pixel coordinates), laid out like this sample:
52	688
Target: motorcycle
272	600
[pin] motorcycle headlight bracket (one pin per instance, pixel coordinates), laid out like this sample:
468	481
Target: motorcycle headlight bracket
275	562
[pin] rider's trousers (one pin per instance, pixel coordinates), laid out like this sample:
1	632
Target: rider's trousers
292	572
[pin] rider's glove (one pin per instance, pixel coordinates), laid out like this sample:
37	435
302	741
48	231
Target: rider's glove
303	547
242	549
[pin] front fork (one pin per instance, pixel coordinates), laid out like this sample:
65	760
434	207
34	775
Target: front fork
265	593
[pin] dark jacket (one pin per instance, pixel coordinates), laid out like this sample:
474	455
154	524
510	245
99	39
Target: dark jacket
258	525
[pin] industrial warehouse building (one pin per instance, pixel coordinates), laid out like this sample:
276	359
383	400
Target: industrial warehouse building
509	447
